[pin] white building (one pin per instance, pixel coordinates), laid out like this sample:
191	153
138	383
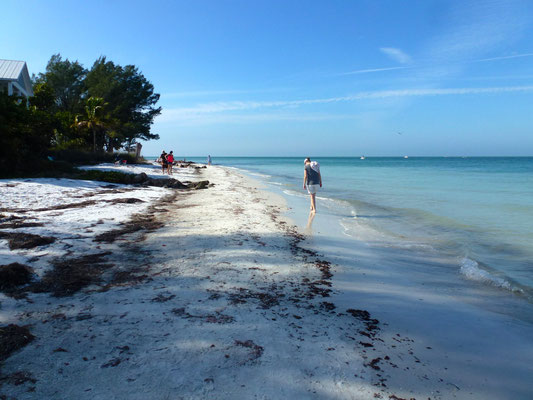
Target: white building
14	78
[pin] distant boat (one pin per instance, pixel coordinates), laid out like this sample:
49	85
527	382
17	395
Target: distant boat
362	157
405	156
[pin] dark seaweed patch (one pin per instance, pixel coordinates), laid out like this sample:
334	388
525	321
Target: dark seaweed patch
18	240
256	351
68	276
18	378
12	338
266	300
13	275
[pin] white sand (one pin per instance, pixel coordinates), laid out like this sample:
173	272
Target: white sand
230	307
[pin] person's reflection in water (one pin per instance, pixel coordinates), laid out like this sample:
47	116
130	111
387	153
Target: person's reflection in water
309	228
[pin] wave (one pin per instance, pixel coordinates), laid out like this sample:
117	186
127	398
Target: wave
289	192
260	175
382	218
472	270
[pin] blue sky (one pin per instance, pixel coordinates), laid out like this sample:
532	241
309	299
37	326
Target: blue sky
297	78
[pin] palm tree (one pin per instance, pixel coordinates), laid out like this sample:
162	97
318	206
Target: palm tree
92	121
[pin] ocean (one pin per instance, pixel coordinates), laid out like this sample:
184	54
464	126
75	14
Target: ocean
476	211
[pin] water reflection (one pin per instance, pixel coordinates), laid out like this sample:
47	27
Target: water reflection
309	228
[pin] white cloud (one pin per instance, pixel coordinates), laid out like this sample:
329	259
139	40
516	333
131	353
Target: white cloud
505	57
443	69
243	118
476	28
396	54
473	30
226	108
366	71
202	93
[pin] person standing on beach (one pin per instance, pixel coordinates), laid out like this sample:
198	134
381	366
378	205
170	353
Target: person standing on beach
170	160
164	163
312	179
209	160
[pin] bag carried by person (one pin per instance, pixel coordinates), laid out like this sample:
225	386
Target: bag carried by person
315	166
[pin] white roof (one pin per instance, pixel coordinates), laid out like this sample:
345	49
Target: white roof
16	71
10	69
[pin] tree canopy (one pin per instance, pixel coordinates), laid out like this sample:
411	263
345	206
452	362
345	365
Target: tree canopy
106	108
125	115
130	99
25	132
66	79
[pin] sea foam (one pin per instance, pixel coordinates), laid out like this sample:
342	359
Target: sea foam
473	271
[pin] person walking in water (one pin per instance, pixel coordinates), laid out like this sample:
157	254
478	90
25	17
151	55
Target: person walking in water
209	160
312	179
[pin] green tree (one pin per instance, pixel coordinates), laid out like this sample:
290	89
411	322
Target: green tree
131	102
92	122
43	97
25	133
65	135
67	81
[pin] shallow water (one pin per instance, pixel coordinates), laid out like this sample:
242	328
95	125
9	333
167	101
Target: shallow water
478	211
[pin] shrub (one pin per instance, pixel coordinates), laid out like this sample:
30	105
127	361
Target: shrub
80	157
106	176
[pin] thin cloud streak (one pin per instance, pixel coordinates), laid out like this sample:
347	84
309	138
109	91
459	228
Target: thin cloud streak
504	57
201	93
367	71
218	119
396	54
177	114
426	64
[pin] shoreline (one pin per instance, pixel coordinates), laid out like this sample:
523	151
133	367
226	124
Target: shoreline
225	299
491	239
472	335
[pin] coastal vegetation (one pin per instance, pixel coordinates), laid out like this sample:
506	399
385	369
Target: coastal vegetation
75	114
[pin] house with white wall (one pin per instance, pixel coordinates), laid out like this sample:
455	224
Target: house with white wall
15	78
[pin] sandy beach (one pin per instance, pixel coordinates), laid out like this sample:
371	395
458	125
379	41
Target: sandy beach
196	294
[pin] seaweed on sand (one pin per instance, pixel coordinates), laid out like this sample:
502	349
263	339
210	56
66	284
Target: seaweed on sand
68	276
266	300
12	338
256	351
15	223
13	275
19	240
139	222
146	222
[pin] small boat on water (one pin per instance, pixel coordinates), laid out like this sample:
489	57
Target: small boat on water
405	156
362	157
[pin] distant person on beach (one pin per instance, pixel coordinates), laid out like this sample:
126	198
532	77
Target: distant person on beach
312	179
164	163
170	160
209	160
118	161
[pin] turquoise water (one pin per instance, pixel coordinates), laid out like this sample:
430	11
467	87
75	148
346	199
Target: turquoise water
478	209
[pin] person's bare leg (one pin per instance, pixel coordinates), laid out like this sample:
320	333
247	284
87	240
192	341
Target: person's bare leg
313	202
